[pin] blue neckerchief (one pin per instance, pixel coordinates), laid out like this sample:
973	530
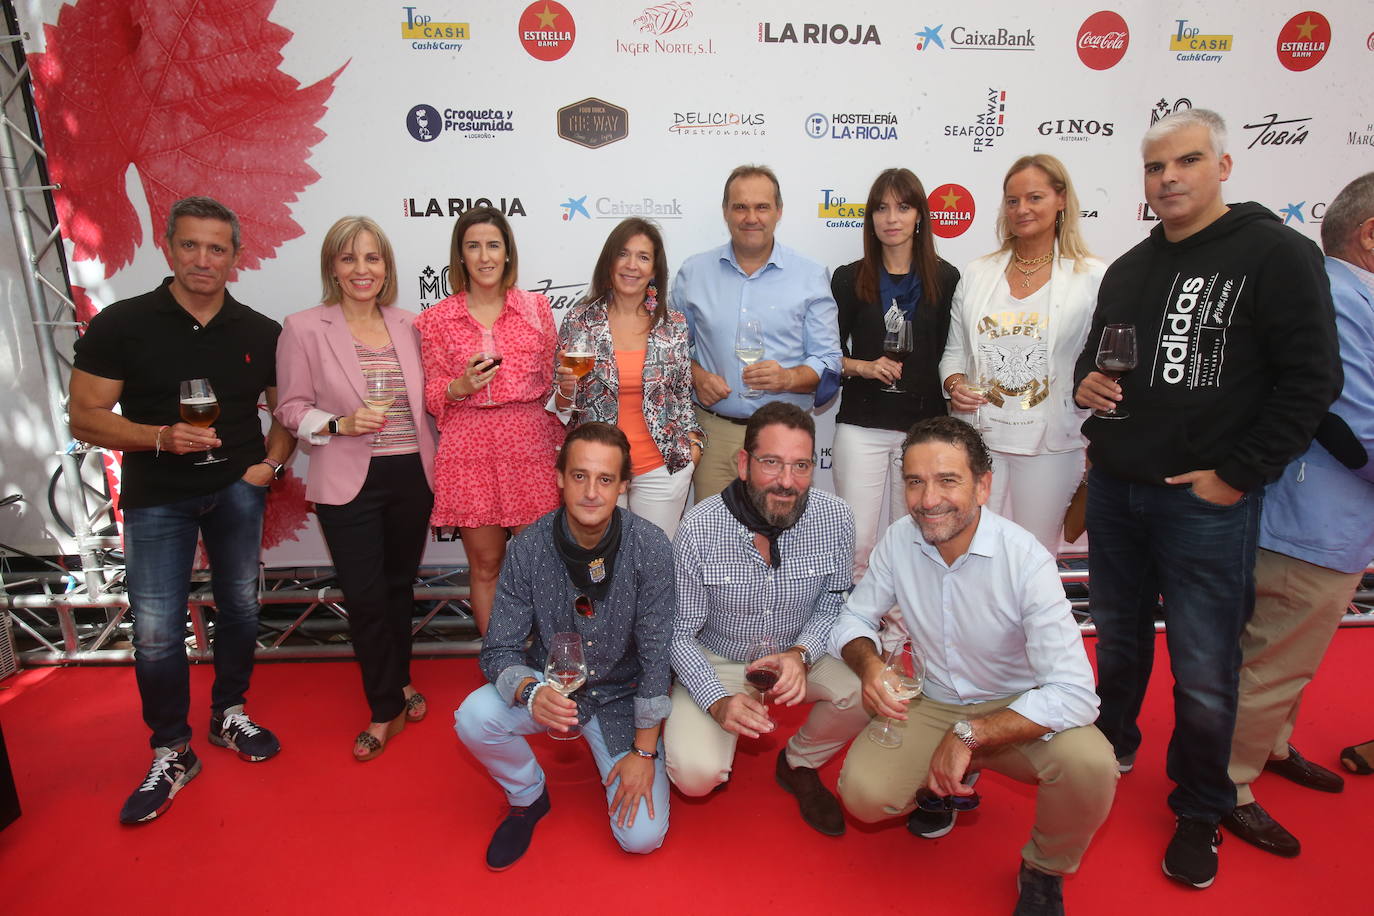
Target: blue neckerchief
906	292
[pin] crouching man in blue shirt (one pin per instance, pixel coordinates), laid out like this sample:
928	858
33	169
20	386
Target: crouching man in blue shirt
606	575
1007	683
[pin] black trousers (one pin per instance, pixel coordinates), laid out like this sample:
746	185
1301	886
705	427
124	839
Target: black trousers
377	541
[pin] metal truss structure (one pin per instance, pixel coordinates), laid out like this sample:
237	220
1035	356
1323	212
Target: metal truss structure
82	616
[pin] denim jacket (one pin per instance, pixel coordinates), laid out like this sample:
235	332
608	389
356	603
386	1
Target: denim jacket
667	380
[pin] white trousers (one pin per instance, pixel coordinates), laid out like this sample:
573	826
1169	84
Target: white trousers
659	496
1034	490
867	475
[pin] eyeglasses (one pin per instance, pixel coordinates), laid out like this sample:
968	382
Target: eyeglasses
773	467
927	800
584	607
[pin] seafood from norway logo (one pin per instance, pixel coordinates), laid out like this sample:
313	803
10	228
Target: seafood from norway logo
988	124
424	34
1192	45
847	125
951	210
818	33
1303	41
547	30
838	212
1102	40
658	21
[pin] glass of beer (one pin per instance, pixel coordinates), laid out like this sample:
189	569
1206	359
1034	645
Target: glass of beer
200	408
579	358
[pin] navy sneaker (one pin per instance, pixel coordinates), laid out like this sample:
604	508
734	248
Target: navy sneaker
1039	894
513	835
170	771
234	730
1192	854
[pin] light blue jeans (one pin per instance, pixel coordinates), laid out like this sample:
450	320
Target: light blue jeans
494	731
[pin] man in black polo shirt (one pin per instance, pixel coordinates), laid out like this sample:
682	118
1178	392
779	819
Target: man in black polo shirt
135	354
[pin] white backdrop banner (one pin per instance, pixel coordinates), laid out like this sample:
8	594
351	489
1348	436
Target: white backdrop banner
570	116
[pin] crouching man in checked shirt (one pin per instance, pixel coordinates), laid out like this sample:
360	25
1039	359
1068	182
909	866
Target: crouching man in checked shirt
766	557
607	575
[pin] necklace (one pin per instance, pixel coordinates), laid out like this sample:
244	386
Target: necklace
1035	265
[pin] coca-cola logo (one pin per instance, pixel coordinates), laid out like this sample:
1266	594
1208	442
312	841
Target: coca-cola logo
1102	40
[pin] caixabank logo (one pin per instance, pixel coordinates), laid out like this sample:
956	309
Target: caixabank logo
975	38
951	210
426	34
839	212
1303	213
547	30
619	208
818	33
1303	41
851	125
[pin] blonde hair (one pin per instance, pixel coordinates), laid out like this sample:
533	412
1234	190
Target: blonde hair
341	238
1067	232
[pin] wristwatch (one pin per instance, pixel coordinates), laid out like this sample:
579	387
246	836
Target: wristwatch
333	426
964	732
639	752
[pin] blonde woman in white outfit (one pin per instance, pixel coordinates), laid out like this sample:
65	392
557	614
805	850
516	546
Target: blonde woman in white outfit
1020	319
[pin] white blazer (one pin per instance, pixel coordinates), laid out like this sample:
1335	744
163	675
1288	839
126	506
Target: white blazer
1072	300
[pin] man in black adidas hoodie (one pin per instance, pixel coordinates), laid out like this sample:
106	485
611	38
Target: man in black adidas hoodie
1237	363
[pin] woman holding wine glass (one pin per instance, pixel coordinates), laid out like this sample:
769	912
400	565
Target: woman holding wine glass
352	391
897	294
624	361
487	351
1021	317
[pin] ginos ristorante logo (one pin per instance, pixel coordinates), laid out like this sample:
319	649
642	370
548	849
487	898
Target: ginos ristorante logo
951	210
547	30
1303	41
1102	40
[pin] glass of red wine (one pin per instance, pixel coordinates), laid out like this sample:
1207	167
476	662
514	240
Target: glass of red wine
896	345
1116	355
763	669
490	351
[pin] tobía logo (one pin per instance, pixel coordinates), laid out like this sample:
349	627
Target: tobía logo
1102	40
1303	41
424	123
547	30
1271	130
593	123
951	210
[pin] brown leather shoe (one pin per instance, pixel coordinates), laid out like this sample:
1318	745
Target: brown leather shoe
1254	825
1304	772
819	807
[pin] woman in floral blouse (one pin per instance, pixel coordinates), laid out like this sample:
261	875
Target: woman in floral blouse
642	377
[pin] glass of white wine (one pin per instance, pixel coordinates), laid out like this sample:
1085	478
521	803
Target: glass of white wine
566	671
904	671
200	408
381	385
749	349
978	383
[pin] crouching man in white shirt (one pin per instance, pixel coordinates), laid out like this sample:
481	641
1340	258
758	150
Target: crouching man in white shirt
1007	687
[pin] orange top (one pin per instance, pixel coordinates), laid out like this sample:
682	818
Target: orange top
644	453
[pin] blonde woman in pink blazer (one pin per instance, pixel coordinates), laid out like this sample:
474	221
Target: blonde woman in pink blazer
371	470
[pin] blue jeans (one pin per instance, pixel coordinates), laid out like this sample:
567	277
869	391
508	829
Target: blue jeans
159	549
1146	541
493	731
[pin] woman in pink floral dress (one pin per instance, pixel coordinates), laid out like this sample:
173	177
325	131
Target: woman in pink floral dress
488	352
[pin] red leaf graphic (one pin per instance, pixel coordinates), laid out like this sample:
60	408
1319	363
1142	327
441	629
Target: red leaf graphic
190	94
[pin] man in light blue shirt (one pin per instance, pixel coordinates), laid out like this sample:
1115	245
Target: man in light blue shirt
753	278
1315	541
1007	683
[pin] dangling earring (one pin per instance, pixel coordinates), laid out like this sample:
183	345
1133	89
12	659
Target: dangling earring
651	297
1058	221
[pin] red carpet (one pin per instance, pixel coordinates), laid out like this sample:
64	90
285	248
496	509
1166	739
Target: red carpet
312	832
